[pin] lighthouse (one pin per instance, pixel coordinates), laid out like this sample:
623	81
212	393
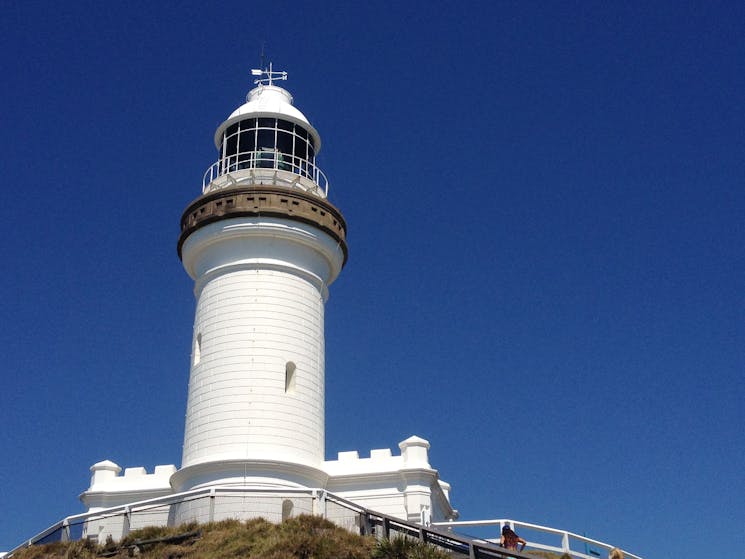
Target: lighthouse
262	244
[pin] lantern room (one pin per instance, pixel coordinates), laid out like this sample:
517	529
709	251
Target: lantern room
267	141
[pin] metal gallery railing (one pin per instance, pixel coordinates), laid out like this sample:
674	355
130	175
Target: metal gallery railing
263	165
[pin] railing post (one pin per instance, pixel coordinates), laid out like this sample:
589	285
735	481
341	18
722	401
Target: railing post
322	504
126	522
386	528
425	517
365	524
565	542
212	504
65	535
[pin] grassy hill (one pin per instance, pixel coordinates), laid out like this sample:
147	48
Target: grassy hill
303	537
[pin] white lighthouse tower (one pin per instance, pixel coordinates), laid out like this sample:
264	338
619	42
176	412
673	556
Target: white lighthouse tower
262	245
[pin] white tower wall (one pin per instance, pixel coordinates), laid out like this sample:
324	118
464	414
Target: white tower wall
256	389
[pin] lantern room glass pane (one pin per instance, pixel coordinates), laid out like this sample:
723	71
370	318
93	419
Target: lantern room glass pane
284	142
265	139
231	145
248	124
266	159
301	148
248	140
268	143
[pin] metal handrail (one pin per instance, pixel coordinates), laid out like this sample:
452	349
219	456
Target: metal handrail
516	524
440	534
290	169
138	506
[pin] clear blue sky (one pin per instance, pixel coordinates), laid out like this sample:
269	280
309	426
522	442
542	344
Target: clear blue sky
545	205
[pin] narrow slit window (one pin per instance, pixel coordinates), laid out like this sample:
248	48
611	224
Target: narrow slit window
197	357
290	376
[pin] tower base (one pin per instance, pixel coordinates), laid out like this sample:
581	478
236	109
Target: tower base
404	486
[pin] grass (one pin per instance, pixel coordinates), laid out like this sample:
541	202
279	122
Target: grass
406	548
303	537
547	554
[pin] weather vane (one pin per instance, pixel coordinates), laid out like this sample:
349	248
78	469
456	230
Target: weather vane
270	75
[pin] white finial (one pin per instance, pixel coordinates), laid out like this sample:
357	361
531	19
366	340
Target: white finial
271	75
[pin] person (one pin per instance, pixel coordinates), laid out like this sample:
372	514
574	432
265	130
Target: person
615	553
510	539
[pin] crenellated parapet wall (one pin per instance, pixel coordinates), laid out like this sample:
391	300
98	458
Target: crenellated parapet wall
109	487
405	485
402	485
414	454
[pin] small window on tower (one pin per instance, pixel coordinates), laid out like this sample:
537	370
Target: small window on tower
290	377
197	357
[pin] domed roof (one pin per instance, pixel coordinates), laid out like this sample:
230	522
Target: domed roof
269	101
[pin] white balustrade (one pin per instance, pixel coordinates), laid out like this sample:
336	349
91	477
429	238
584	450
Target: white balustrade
265	167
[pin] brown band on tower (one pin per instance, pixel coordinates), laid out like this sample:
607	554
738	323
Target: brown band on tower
273	201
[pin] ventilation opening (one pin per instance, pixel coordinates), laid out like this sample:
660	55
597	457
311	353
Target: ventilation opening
197	354
290	376
287	507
